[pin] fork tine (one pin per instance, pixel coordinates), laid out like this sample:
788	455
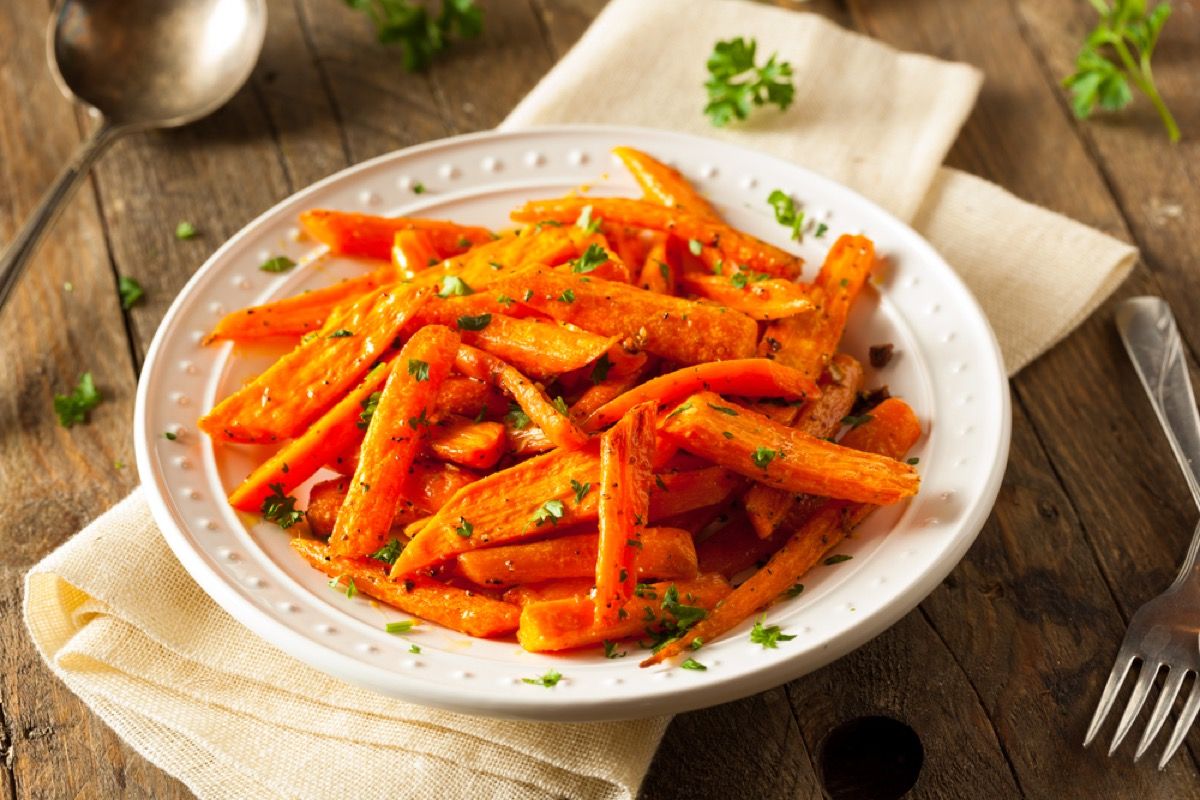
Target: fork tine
1115	679
1170	691
1186	718
1136	700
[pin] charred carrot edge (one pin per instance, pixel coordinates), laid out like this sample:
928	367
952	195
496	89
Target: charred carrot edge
755	446
735	246
654	322
298	388
569	623
664	184
767	506
892	430
395	434
413	252
299	459
626	453
748	377
367	236
527	593
296	316
427	487
764	300
457	609
667	554
478	445
554	421
808	341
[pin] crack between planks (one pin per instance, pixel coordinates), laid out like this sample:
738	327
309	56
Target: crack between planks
1012	768
276	138
539	14
808	749
326	83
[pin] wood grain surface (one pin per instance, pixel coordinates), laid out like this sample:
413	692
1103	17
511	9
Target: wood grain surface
997	672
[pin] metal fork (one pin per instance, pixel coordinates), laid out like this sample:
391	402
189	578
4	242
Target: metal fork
1164	634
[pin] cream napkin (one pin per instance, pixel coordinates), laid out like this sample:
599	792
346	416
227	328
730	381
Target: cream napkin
122	624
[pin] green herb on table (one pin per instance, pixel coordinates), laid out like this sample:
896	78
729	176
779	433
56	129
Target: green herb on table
786	213
420	35
280	508
736	84
73	408
185	230
549	680
768	636
1117	53
130	291
277	264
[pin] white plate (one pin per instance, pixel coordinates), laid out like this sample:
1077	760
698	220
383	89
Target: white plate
947	365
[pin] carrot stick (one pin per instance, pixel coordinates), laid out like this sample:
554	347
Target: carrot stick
350	234
296	316
664	184
749	443
676	329
737	547
478	445
767	506
667	553
626	453
681	492
553	420
298	388
767	299
889	434
413	252
427	487
749	377
630	244
548	590
457	609
300	458
465	397
734	246
397	430
570	622
657	275
613	374
807	341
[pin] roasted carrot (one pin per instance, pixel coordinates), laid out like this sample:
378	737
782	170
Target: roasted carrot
457	609
748	377
667	553
630	244
463	396
767	506
296	316
397	430
478	445
298	388
657	274
548	590
762	298
349	234
737	547
749	443
613	374
551	417
626	453
679	492
570	622
426	489
734	246
676	329
664	184
299	459
892	430
412	252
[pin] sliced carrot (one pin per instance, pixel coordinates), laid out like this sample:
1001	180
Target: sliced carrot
767	506
667	553
296	316
676	329
299	459
626	453
737	547
349	234
395	434
807	341
463	396
768	299
613	374
548	590
748	377
657	274
734	246
457	609
630	244
478	445
892	430
527	441
570	622
413	252
749	443
427	488
664	184
298	388
679	492
551	418
696	520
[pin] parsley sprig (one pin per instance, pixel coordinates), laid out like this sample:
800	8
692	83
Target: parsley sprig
1129	32
420	35
73	408
280	508
736	85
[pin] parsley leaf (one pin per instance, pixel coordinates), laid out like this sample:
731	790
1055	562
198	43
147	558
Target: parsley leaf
581	490
350	589
340	333
730	98
589	259
454	286
130	290
185	230
280	508
464	529
551	511
504	300
723	410
476	323
414	649
912	462
768	636
420	36
402	626
786	213
368	409
389	552
837	559
560	406
610	650
588	224
600	368
516	417
692	663
73	408
277	264
763	456
568	296
418	369
796	589
549	680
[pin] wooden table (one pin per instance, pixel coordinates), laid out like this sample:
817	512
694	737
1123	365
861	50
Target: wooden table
998	670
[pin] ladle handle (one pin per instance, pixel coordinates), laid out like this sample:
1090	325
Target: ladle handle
16	257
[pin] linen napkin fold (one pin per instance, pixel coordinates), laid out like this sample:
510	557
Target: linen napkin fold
121	623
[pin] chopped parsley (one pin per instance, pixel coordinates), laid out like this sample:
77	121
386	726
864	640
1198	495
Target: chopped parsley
591	258
768	636
730	98
763	456
727	434
475	323
419	420
837	559
796	589
418	369
610	650
600	368
821	229
403	626
723	410
560	405
412	648
549	680
170	436
855	421
516	417
692	663
786	213
185	230
658	481
389	552
418	188
580	489
73	408
130	291
277	264
551	511
912	462
586	222
679	410
350	590
528	295
695	247
280	508
341	333
568	296
505	300
464	528
454	286
368	409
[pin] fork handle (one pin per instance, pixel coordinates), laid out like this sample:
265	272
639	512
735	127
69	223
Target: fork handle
1152	340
